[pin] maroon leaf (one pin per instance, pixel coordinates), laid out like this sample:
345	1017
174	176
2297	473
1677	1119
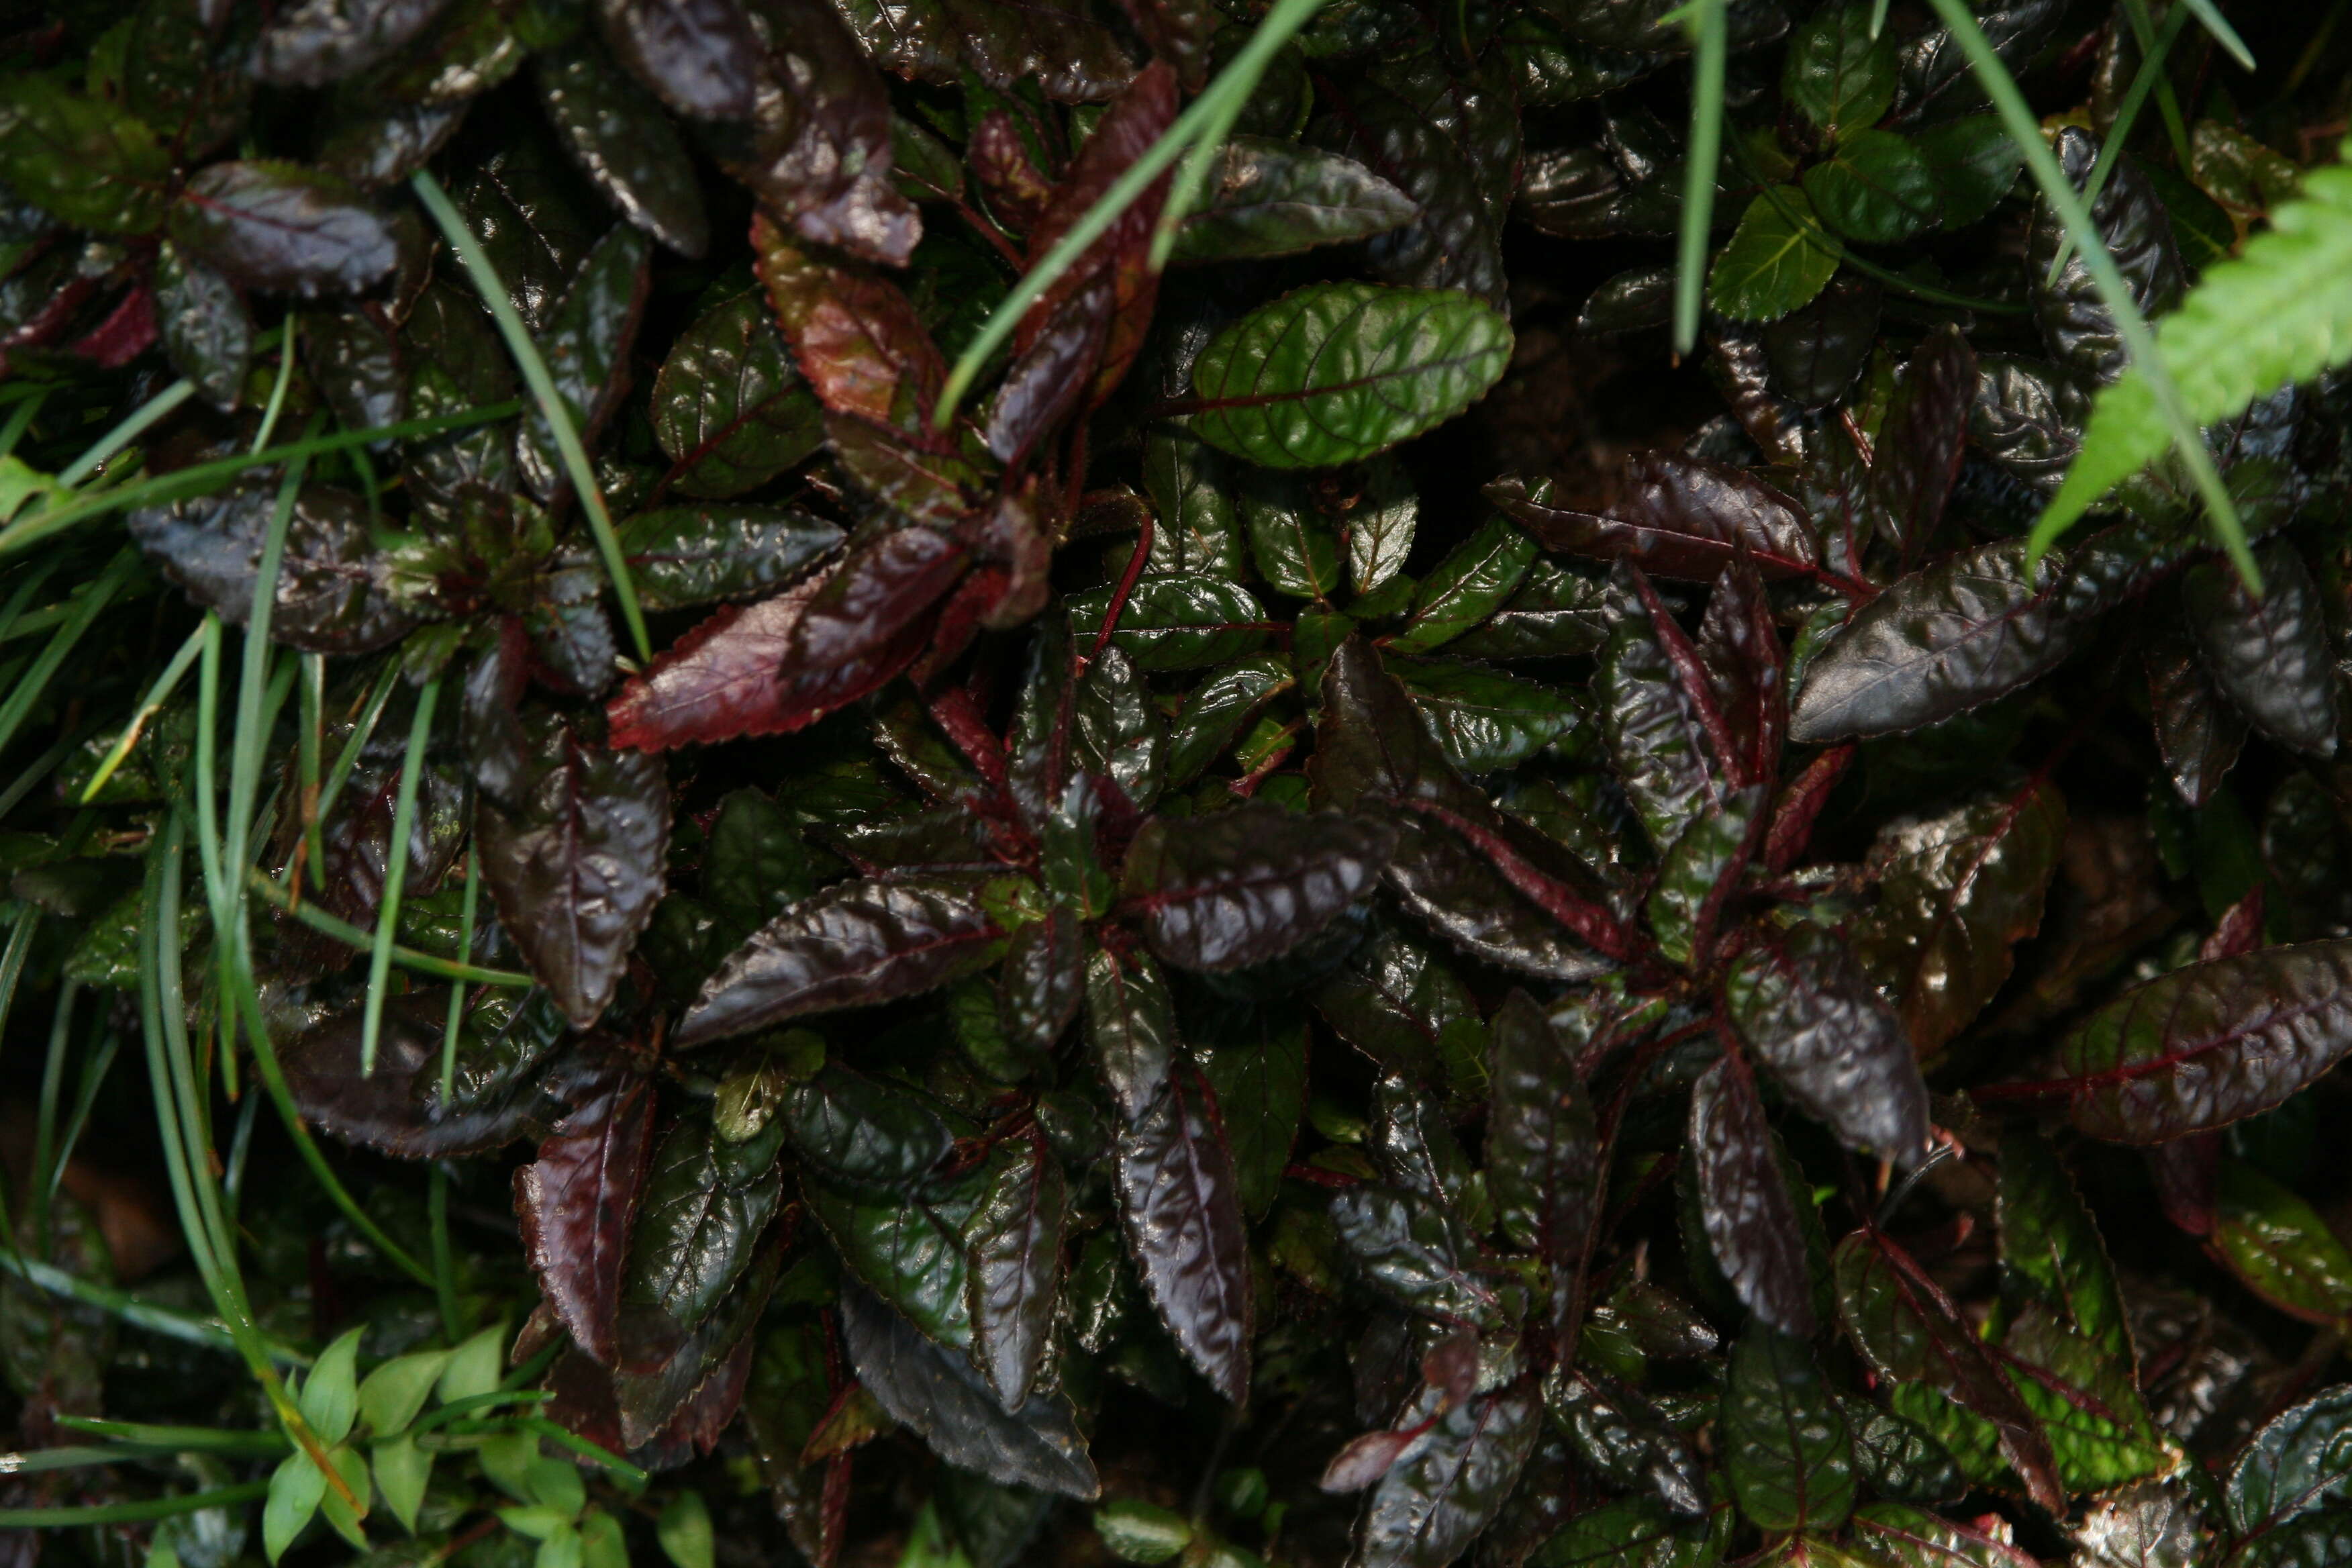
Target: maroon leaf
1907	1327
1365	1461
853	944
1801	805
1751	1221
575	1204
867	606
1918	455
1182	1209
1741	654
575	859
1804	1004
2197	730
1543	1149
1013	1266
699	56
2273	656
1248	884
280	226
2240	928
2210	1044
856	340
1050	378
1676	516
817	151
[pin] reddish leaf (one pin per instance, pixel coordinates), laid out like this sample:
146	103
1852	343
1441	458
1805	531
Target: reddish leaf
867	604
2240	928
1248	884
1918	455
1801	805
1365	1461
1182	1207
1050	378
127	331
856	340
575	1204
1751	1221
2186	1172
281	226
1805	1005
1676	516
1740	652
1013	1266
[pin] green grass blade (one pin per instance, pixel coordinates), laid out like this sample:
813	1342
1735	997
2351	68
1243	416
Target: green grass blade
1877	18
176	1439
131	1512
395	873
386	682
527	358
312	746
34	682
168	1321
134	424
1712	49
93	1078
277	389
2025	130
45	1150
2151	70
2143	27
2208	15
352	936
203	478
1235	81
152	704
466	910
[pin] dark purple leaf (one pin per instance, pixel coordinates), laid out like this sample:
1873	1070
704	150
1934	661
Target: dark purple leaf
1183	1219
853	944
2273	656
1937	643
1618	1433
621	139
693	1390
1013	1263
1443	1490
698	1229
937	1393
208	332
860	1132
354	358
2075	323
1043	983
1247	884
1399	1004
2198	734
322	41
282	227
700	56
1542	1148
1265	197
685	555
1676	516
729	410
1073	57
1750	1220
2210	1044
855	337
1816	352
374	145
1907	1328
1806	1009
1411	1250
575	858
1130	1028
575	1204
586	341
333	593
1918	455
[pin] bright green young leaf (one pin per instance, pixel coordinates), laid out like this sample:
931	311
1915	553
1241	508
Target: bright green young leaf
684	1530
351	1465
403	1471
2281	312
331	1399
295	1489
2278	1245
1776	261
475	1366
393	1393
1139	1531
1336	371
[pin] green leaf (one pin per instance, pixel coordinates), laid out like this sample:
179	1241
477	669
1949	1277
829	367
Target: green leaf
331	1399
1181	621
295	1489
2050	1251
587	344
1900	1458
1974	164
1775	262
1486	720
1336	371
2280	1247
1254	1059
1876	188
729	409
680	556
1635	1533
1442	1491
2099	1430
1215	711
2293	1465
1893	1535
1294	546
1134	1530
1840	70
1467	586
1265	198
2281	312
403	1471
1785	1445
684	1530
474	1367
1696	872
86	159
1195	494
394	1393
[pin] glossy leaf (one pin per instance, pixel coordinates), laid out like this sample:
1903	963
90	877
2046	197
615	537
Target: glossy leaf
2075	323
938	1393
1621	1435
281	228
1217	709
1400	1004
1900	1458
334	593
853	944
1840	71
861	1132
619	136
1443	1489
1275	198
695	1235
206	329
1893	1535
2296	1462
1918	455
2198	732
1014	1264
1180	621
1876	188
1256	1059
1467	586
1775	262
573	856
86	159
1485	720
686	555
1657	712
1787	1451
575	1204
700	56
728	408
1806	1009
1130	1028
1751	1221
1676	516
2280	1247
1073	57
1336	371
856	339
1247	884
586	341
2050	1251
2270	656
1181	1209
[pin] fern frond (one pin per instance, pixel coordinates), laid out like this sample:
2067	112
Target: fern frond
2281	312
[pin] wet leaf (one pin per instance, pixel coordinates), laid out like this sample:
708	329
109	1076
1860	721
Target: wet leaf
2293	1465
1876	188
1073	57
1265	197
1749	1219
1786	1448
324	40
282	227
208	332
1014	1264
86	159
695	1235
2280	1247
1775	262
355	359
1805	1007
1411	1251
1621	1435
621	139
1443	1490
1336	371
2270	656
2076	325
1247	884
937	1393
575	1206
700	56
855	943
2148	1526
1837	73
1256	1059
1182	620
1676	516
854	336
573	856
1181	1208
333	591
585	341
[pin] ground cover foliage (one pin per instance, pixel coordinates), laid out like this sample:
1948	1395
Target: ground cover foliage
668	902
